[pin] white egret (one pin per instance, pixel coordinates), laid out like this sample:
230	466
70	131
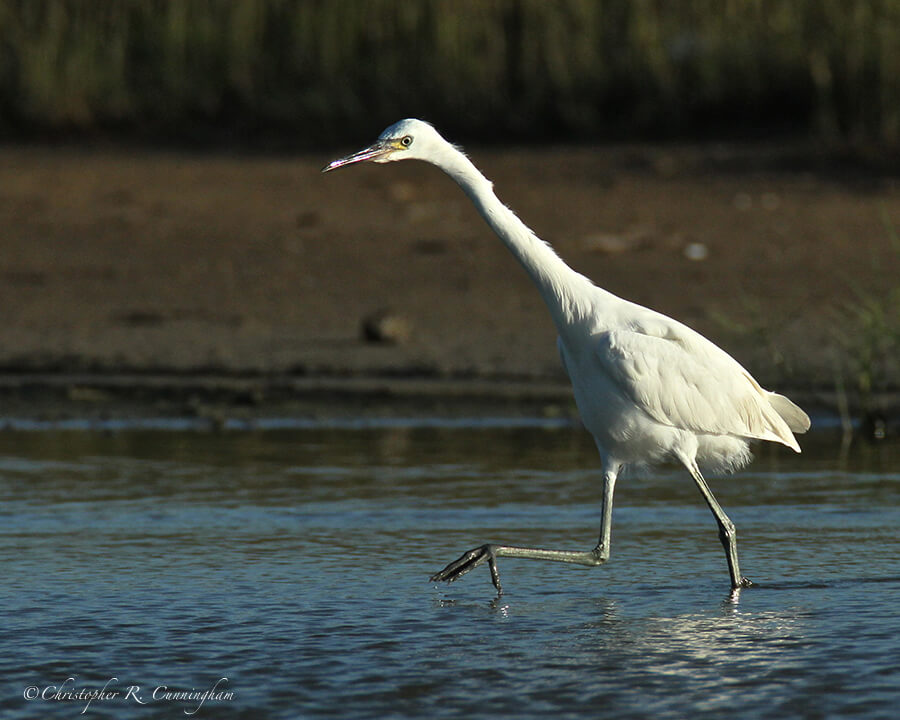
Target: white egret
648	388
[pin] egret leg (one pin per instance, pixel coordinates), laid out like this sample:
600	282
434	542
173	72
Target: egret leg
489	553
727	531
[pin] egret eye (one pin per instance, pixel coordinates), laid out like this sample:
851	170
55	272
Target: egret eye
406	141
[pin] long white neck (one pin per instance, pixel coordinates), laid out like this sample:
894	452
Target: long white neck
566	292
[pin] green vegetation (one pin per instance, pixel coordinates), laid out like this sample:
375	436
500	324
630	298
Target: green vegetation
871	350
320	69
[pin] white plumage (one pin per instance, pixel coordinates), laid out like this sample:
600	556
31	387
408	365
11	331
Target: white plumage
648	388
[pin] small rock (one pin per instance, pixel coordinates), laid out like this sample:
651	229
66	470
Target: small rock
307	219
292	245
417	212
386	327
610	244
696	251
430	246
770	201
402	191
742	201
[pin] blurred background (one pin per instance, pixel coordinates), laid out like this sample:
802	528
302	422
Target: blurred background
302	72
731	164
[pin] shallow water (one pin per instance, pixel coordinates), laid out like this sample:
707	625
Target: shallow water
293	563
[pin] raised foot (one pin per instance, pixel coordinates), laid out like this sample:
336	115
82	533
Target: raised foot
744	583
470	560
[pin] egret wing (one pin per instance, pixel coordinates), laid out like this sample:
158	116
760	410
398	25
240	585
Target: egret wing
681	379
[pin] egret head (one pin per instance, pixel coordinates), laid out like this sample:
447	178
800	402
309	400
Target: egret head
408	139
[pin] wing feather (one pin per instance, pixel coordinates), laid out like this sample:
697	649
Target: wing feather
681	379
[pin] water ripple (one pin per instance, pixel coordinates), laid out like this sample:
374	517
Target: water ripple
295	564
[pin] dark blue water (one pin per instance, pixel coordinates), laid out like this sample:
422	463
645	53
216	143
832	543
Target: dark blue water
290	567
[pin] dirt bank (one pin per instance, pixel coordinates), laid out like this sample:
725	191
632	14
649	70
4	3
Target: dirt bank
162	263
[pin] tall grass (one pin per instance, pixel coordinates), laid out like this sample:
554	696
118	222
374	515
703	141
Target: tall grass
319	69
869	351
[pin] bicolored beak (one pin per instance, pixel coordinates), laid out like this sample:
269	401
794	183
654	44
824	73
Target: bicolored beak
377	150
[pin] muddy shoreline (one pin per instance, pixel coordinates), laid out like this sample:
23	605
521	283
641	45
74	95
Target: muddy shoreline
140	280
60	401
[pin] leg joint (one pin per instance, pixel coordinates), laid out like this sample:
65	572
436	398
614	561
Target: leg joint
727	530
599	555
